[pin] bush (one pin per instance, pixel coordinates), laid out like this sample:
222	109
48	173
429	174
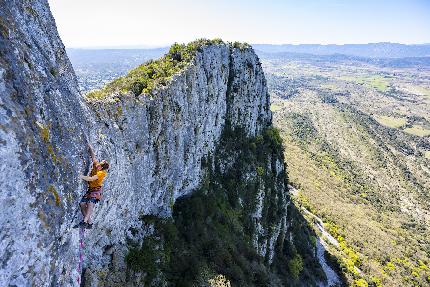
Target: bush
273	136
295	265
137	87
260	170
360	283
144	259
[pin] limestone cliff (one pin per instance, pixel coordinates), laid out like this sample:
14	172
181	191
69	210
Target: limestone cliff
156	142
161	146
42	120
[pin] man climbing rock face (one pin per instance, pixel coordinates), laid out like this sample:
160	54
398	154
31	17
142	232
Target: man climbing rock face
94	193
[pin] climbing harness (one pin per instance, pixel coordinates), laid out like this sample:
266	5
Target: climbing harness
81	253
95	192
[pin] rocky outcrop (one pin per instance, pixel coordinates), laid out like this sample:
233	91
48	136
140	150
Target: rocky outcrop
155	144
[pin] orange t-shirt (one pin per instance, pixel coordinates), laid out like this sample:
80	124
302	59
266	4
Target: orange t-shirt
100	174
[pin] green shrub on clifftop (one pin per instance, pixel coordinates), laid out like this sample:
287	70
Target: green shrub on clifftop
154	73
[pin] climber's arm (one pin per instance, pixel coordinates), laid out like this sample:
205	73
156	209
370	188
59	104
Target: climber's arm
93	156
89	178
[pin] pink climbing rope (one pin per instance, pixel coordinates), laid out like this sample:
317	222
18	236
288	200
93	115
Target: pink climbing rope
81	253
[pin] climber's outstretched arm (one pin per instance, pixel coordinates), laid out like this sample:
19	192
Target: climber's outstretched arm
93	156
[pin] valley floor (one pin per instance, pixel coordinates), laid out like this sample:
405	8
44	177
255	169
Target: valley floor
357	146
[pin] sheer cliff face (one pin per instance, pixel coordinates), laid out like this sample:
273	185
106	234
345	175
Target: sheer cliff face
154	144
41	120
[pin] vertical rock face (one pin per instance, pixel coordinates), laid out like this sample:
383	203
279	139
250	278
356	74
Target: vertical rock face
155	145
41	120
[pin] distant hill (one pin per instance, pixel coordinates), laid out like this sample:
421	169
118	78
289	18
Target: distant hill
406	62
371	50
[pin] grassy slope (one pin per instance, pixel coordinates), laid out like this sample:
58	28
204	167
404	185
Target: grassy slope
368	182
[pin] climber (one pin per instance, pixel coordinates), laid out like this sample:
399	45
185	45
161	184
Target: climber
93	195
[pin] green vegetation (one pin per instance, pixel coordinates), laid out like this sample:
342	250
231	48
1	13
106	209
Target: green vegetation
368	183
53	71
211	230
260	170
377	82
360	283
345	197
155	254
302	128
275	107
296	266
157	73
44	131
422	90
53	191
417	130
331	86
146	77
391	122
145	258
343	165
4	29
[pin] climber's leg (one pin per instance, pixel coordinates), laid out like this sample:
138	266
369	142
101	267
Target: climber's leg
90	208
84	208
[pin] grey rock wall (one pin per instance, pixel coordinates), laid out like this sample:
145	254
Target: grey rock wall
41	122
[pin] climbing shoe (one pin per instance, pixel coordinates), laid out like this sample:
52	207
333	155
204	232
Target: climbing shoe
88	225
82	224
77	225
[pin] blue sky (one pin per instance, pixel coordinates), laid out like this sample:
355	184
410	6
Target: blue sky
102	23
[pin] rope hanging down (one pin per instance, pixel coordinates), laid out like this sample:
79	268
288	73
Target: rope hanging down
81	253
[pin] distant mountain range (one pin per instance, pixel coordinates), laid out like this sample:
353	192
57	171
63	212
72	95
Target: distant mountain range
371	50
134	57
404	62
95	67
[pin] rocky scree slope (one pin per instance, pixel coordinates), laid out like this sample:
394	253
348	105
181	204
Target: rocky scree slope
155	143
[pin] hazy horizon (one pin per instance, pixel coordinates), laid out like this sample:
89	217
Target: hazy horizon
134	23
148	47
